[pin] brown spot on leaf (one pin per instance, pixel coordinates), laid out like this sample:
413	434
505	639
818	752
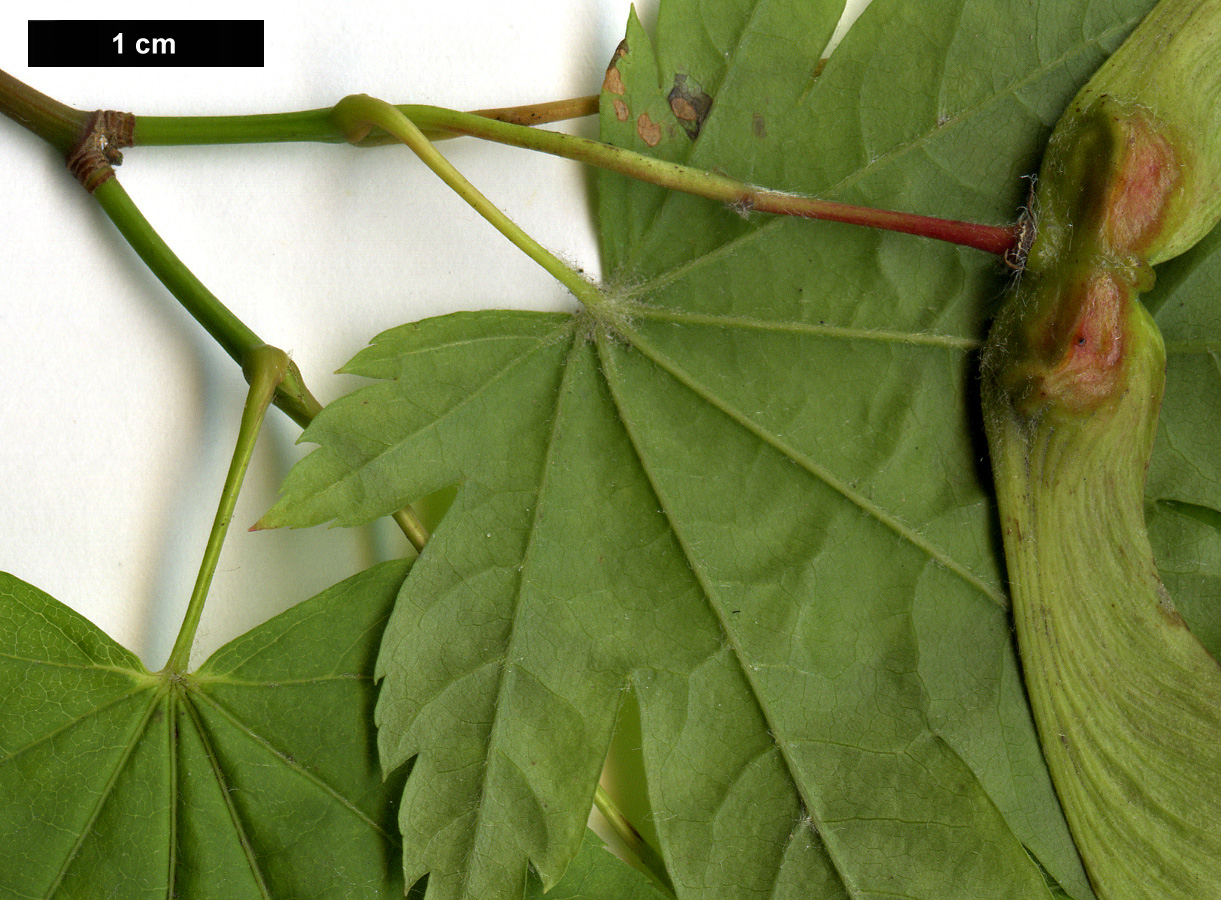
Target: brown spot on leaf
690	104
613	82
621	111
758	126
649	131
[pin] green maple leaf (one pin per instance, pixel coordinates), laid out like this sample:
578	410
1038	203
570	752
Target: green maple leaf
748	486
254	776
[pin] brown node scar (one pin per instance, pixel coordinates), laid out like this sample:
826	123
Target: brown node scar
92	159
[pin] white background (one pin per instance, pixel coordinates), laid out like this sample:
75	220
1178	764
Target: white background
117	412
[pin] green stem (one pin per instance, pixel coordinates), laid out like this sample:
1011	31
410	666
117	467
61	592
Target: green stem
229	331
358	114
411	526
632	839
61	124
239	341
58	123
217	319
318	125
511	126
265	367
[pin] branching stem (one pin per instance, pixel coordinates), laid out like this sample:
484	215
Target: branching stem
238	340
365	121
60	125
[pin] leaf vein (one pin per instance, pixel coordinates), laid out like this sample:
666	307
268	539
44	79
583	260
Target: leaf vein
661	314
266	745
865	504
222	783
746	668
339	485
69	724
105	795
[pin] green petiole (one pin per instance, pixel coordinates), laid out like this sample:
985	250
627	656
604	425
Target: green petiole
266	368
357	115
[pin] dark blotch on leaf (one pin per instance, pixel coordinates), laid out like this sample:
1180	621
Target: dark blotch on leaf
690	104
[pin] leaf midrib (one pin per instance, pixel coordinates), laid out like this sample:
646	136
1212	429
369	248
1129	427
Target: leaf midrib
565	391
933	339
365	364
239	829
747	671
866	505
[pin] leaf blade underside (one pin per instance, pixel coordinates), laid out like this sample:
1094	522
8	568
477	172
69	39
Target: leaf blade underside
253	777
747	488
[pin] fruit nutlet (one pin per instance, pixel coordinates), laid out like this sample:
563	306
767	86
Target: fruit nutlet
1127	701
